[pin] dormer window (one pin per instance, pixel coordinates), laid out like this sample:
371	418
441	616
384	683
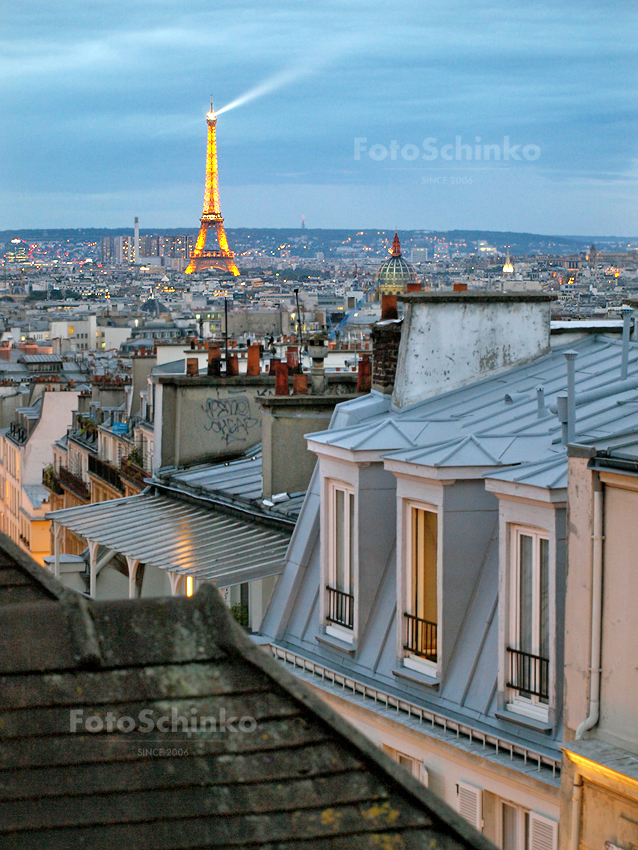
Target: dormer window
341	557
421	614
528	651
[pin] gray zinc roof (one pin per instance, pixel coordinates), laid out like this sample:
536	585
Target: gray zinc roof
493	428
174	535
497	421
240	482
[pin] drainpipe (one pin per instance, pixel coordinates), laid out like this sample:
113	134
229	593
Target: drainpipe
571	356
596	613
577	796
626	313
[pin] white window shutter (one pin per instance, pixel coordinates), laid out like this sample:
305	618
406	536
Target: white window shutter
471	805
424	776
543	833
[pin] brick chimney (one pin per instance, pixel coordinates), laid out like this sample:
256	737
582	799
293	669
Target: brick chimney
386	336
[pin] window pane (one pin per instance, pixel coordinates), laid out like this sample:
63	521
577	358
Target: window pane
340	541
424	572
526	585
509	827
351	547
543	606
544	598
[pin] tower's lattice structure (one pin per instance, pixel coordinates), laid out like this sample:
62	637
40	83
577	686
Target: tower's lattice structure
223	258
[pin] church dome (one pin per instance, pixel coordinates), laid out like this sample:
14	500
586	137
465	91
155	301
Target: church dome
395	273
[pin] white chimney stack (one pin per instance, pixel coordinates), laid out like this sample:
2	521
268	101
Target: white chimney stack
451	339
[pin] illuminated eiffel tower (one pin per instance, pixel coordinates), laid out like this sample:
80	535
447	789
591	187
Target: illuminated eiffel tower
211	216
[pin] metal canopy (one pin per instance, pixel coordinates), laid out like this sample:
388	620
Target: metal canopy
180	537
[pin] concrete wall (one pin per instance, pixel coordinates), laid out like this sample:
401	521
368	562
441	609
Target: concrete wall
56	417
258	322
287	462
619	686
203	419
140	373
452	339
10	400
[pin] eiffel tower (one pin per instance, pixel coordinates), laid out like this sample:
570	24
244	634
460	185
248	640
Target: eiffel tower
211	216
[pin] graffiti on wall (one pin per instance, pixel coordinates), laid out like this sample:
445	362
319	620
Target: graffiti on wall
229	418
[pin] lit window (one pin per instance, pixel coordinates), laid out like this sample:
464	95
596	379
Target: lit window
528	651
422	599
341	556
189	585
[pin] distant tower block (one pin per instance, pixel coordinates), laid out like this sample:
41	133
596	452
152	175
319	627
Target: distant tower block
224	258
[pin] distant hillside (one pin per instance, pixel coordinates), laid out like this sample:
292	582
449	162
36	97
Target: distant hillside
328	241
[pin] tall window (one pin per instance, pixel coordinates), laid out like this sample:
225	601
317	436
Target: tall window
529	633
421	618
521	829
340	588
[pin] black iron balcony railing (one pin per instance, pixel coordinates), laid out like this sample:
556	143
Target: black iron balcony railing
18	433
74	484
420	637
340	607
108	473
528	674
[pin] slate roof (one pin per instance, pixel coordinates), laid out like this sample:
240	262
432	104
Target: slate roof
301	778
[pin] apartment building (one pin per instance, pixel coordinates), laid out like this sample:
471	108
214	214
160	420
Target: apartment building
599	803
423	594
25	452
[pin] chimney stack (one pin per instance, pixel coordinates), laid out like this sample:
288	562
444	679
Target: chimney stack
451	339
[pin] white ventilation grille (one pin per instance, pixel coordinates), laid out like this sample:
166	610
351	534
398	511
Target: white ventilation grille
543	833
471	805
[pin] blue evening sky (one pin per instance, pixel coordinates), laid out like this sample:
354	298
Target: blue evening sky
104	103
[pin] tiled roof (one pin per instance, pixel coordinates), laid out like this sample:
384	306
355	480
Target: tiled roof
290	773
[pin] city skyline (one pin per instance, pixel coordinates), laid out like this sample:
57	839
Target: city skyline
458	116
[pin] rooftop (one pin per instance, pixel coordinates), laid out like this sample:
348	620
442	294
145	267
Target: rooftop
293	772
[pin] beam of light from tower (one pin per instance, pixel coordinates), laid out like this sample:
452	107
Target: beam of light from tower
277	81
331	52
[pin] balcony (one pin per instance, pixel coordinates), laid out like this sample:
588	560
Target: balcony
528	674
340	608
51	481
18	433
420	637
133	472
74	484
106	472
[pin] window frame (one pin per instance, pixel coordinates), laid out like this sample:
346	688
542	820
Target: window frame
526	820
531	705
334	487
413	660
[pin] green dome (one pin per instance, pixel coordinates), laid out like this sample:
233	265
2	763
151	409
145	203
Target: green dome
395	272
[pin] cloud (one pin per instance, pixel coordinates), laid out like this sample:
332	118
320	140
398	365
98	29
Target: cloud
99	99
